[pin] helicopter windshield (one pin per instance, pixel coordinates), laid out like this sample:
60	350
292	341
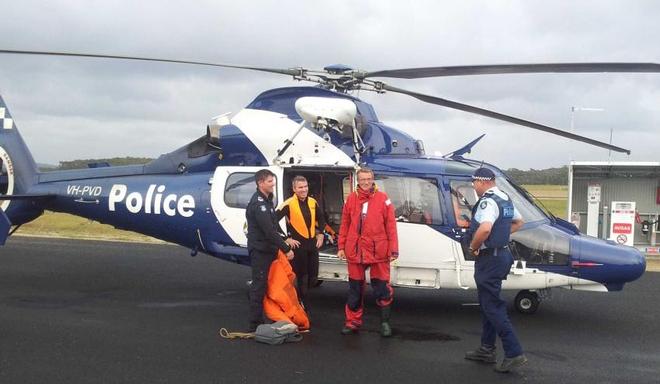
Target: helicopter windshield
528	210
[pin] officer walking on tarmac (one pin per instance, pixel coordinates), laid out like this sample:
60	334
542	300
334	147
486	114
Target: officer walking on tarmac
305	223
494	218
368	240
263	241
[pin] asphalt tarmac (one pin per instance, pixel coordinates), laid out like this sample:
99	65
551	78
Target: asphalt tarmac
104	312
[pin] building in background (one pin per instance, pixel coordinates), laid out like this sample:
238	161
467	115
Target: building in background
616	200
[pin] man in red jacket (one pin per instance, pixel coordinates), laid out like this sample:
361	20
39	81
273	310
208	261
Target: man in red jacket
368	239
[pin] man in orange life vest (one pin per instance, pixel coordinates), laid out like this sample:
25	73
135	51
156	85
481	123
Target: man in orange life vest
368	239
305	223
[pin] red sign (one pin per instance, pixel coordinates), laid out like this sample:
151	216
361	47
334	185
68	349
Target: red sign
622	228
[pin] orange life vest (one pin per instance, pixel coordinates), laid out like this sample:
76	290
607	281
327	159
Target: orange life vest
281	301
296	218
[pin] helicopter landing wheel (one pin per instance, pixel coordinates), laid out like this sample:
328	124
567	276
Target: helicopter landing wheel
527	302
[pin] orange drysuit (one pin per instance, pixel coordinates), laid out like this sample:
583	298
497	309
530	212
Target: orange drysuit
281	301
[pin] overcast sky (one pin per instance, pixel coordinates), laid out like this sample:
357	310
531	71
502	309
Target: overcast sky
69	108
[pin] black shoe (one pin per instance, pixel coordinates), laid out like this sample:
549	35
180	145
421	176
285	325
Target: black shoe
483	354
348	330
511	363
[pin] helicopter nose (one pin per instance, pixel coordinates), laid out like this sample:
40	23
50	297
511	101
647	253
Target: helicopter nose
607	262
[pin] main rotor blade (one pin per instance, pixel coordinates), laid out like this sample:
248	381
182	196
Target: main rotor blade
466	70
291	72
499	116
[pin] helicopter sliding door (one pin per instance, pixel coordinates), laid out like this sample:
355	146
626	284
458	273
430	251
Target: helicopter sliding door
425	253
231	190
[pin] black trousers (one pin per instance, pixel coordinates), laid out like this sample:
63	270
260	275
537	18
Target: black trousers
260	262
306	267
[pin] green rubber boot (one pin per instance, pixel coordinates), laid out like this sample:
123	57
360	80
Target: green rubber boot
385	329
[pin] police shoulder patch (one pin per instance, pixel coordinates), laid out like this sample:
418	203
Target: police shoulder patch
483	204
260	198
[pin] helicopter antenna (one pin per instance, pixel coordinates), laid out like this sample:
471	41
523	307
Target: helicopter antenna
467	148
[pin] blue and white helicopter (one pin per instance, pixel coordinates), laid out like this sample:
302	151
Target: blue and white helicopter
195	196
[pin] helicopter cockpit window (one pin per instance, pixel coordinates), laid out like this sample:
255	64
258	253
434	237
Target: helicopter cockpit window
415	200
239	189
463	198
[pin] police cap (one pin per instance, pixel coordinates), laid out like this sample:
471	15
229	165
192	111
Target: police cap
483	174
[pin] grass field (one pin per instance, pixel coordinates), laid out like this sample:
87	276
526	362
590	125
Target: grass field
64	225
548	191
553	197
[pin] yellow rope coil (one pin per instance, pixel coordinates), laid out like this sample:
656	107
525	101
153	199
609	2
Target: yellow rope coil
225	334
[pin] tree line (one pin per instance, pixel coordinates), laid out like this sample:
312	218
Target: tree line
552	176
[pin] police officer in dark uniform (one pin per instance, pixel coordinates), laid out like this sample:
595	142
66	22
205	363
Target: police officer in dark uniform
263	240
494	218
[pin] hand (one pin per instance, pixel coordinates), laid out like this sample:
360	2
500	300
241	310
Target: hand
319	240
474	252
289	255
394	256
341	254
292	243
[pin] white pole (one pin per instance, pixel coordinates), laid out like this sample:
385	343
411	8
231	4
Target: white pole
569	213
570	154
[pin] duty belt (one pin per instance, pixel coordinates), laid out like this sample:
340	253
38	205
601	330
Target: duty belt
492	251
